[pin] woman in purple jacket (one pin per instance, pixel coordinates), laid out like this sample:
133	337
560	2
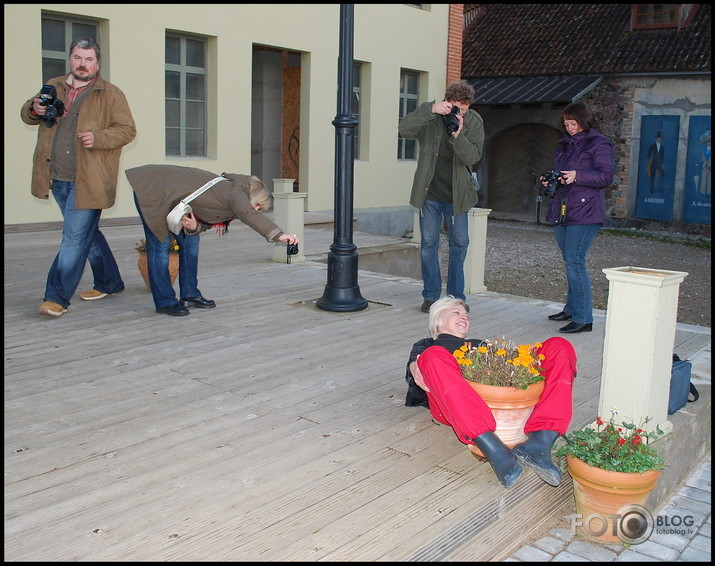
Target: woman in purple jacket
578	209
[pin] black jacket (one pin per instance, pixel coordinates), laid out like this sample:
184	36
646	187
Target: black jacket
416	397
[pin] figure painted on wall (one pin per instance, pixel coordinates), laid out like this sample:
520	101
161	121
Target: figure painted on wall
655	167
696	189
702	167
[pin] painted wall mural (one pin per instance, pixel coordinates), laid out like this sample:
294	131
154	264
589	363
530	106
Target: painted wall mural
656	167
697	205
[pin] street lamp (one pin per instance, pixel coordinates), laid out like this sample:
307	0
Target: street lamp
342	292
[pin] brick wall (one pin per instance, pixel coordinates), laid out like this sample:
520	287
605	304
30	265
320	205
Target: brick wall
454	43
613	104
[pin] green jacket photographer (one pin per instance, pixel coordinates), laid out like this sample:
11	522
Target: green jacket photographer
427	129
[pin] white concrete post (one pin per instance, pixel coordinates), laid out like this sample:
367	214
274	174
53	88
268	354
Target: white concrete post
288	213
283	185
416	232
475	263
638	346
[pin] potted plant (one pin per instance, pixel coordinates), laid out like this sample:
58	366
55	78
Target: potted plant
508	378
140	247
613	465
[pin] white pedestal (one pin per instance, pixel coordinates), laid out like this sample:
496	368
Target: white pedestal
283	185
288	213
475	263
638	346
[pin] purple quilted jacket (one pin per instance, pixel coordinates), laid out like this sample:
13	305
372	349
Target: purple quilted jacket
590	154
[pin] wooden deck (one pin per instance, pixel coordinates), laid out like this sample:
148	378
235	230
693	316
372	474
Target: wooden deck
265	429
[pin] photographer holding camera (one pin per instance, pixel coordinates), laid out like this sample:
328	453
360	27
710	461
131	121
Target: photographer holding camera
158	189
450	137
83	123
583	168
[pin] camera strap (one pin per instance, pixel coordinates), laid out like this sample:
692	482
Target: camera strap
562	208
564	200
173	219
198	192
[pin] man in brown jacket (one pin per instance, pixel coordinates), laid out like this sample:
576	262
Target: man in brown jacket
77	158
158	189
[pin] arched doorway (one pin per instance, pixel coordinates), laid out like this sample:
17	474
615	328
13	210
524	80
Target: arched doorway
519	156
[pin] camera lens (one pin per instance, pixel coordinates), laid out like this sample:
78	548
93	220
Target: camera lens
451	122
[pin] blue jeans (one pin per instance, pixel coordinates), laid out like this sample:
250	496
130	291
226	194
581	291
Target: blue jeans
81	241
574	242
157	255
431	216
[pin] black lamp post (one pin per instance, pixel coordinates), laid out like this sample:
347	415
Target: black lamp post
342	292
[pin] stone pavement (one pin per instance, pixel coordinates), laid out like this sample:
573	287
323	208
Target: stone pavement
692	505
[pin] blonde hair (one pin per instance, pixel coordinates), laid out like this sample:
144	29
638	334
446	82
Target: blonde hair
258	193
437	310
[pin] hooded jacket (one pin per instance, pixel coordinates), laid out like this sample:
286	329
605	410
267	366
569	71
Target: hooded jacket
159	188
428	129
590	154
105	112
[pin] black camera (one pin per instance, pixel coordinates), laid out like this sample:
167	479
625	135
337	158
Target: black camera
55	107
553	179
291	249
450	120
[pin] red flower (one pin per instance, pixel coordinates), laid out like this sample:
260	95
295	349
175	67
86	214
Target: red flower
621	441
636	439
599	422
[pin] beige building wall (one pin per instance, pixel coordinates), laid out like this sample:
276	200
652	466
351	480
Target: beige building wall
387	38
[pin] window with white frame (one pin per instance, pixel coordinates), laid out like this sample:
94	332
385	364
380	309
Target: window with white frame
185	95
58	33
409	95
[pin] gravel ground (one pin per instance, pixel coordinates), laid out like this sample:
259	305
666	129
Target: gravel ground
523	260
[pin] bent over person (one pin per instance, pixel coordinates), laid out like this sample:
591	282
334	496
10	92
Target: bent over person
83	123
158	189
452	401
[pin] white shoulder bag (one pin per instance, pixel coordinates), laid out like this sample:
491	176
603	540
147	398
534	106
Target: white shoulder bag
173	219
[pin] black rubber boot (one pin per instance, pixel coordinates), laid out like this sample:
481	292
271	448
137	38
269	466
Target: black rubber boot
536	453
503	462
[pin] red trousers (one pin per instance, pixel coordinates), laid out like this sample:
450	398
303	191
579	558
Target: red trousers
453	402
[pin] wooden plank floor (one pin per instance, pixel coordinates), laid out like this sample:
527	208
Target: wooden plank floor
265	429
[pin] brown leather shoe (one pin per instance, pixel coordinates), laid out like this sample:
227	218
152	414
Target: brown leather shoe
52	309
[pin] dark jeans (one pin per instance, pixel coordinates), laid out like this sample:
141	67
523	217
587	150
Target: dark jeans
157	255
574	242
81	241
431	218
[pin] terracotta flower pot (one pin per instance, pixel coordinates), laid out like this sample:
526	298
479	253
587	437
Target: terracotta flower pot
144	270
511	408
602	493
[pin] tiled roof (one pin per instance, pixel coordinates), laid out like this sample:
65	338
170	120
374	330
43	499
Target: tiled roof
527	40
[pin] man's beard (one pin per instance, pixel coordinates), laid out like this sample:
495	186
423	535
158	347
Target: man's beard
85	79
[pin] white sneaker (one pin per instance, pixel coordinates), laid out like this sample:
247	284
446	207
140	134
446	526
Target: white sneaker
92	295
